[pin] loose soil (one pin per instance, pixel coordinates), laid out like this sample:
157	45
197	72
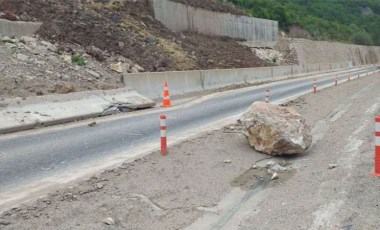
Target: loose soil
145	41
172	192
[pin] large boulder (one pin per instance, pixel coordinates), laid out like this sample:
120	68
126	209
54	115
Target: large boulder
276	130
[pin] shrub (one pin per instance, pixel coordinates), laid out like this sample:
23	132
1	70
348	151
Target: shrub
362	38
77	59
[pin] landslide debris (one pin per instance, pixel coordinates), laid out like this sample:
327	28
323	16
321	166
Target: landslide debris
128	29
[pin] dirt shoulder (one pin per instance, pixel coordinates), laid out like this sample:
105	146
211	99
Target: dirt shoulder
173	192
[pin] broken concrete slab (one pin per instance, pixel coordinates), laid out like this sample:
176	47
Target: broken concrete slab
27	113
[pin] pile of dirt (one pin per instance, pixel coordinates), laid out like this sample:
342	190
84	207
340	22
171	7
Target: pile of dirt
128	29
30	67
212	5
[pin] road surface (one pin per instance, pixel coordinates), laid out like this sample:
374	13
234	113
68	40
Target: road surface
31	157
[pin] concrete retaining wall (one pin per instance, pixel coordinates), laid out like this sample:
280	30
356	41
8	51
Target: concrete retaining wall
18	29
179	17
151	84
309	52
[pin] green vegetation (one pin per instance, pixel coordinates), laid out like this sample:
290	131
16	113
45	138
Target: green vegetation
353	21
77	59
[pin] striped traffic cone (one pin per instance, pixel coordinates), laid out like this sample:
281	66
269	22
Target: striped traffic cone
166	102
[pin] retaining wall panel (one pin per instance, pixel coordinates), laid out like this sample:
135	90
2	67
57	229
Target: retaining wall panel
280	72
258	75
310	68
297	70
214	79
18	29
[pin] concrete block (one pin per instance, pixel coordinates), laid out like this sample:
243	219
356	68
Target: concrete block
310	68
184	82
18	29
214	79
152	84
297	70
259	75
281	72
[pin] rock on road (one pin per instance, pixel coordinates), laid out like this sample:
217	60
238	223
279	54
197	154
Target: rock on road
198	181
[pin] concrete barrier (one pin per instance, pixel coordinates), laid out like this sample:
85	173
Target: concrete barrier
18	29
281	72
181	82
151	84
310	68
258	75
214	79
298	70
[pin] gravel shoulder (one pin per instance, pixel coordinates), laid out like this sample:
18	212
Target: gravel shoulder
173	192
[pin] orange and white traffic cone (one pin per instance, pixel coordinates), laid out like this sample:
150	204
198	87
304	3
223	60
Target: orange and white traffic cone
166	102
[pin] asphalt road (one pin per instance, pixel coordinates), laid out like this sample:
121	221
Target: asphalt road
27	158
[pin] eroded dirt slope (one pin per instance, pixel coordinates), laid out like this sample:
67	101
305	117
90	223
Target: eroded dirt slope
128	29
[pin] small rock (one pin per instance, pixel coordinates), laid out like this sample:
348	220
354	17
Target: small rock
22	57
120	67
270	164
332	166
67	58
10	46
4	222
227	161
64	88
49	46
120	44
254	167
92	124
279	168
27	39
93	73
274	176
139	68
151	41
109	221
134	70
99	185
6	39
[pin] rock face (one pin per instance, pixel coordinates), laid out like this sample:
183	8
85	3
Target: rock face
276	130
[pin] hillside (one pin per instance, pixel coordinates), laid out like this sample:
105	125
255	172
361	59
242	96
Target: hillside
105	38
353	21
127	28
